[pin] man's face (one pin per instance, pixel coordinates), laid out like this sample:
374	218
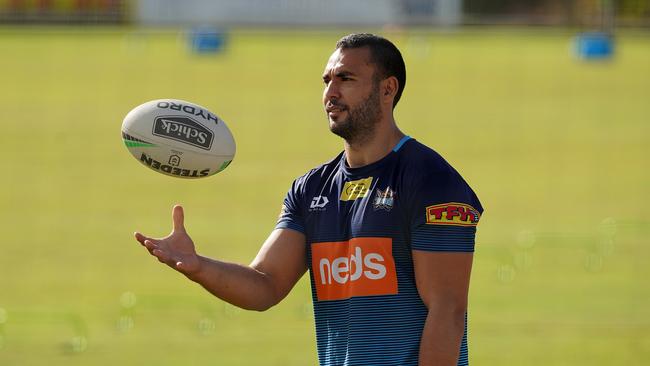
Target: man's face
351	94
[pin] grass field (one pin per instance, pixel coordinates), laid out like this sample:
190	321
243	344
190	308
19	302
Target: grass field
556	149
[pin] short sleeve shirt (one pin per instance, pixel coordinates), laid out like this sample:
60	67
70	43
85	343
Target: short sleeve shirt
361	226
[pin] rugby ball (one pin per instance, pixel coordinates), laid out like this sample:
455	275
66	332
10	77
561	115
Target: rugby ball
178	138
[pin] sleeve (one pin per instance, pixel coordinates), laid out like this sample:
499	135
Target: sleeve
445	214
291	214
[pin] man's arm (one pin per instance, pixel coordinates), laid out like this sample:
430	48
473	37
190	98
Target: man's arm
278	266
442	281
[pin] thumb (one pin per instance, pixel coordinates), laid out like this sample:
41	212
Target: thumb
178	218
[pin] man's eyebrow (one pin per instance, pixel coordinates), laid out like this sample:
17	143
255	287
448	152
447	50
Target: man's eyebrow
344	74
340	74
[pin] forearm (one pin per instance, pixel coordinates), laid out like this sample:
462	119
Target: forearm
237	284
278	266
441	337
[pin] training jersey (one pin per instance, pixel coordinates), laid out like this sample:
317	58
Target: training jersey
361	226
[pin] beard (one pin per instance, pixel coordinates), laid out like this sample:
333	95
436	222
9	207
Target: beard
361	121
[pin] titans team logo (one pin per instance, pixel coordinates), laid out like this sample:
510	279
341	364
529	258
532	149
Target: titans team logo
384	200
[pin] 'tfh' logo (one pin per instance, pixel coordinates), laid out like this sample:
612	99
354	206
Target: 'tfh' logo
358	267
453	213
183	129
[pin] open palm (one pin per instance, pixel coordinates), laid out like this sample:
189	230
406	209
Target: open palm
176	249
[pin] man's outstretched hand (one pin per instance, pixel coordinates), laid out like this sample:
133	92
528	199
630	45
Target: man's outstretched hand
176	249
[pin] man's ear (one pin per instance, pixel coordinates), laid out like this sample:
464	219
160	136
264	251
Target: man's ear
389	87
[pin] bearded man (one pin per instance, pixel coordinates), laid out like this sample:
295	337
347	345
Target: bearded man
386	230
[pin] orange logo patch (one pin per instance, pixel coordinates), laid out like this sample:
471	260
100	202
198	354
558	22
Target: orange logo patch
453	213
358	267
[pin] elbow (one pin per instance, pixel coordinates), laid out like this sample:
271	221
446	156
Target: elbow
454	309
254	306
456	313
263	301
268	295
261	306
458	316
459	309
450	315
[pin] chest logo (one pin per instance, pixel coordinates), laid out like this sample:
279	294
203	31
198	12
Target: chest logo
318	203
356	189
384	200
357	267
453	213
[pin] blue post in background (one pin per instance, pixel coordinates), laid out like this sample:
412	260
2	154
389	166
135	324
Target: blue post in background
598	45
594	46
207	40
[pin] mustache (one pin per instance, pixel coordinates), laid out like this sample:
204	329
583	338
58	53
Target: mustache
335	104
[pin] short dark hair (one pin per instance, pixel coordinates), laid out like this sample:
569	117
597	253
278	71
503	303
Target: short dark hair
383	53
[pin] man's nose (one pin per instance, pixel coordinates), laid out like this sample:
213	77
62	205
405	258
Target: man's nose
332	90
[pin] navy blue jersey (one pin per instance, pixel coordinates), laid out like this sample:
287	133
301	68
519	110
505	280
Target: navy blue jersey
362	225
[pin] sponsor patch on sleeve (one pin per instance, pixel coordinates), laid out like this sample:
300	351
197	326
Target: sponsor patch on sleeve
452	213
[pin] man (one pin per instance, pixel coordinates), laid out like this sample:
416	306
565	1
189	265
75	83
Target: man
386	230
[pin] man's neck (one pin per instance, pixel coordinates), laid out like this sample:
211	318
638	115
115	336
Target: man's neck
373	149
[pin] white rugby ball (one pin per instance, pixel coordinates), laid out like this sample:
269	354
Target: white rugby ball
178	138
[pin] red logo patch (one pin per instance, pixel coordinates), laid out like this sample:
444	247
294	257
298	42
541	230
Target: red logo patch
453	213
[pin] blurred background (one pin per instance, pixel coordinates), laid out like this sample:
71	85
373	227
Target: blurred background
542	105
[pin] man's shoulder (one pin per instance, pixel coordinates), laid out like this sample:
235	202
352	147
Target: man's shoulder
426	170
320	171
420	159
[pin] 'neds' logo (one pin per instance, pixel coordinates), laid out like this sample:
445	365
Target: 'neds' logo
358	267
183	129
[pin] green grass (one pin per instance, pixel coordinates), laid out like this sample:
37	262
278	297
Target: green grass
556	149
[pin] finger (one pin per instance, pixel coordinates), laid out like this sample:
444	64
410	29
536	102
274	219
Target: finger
162	256
150	245
139	237
178	218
